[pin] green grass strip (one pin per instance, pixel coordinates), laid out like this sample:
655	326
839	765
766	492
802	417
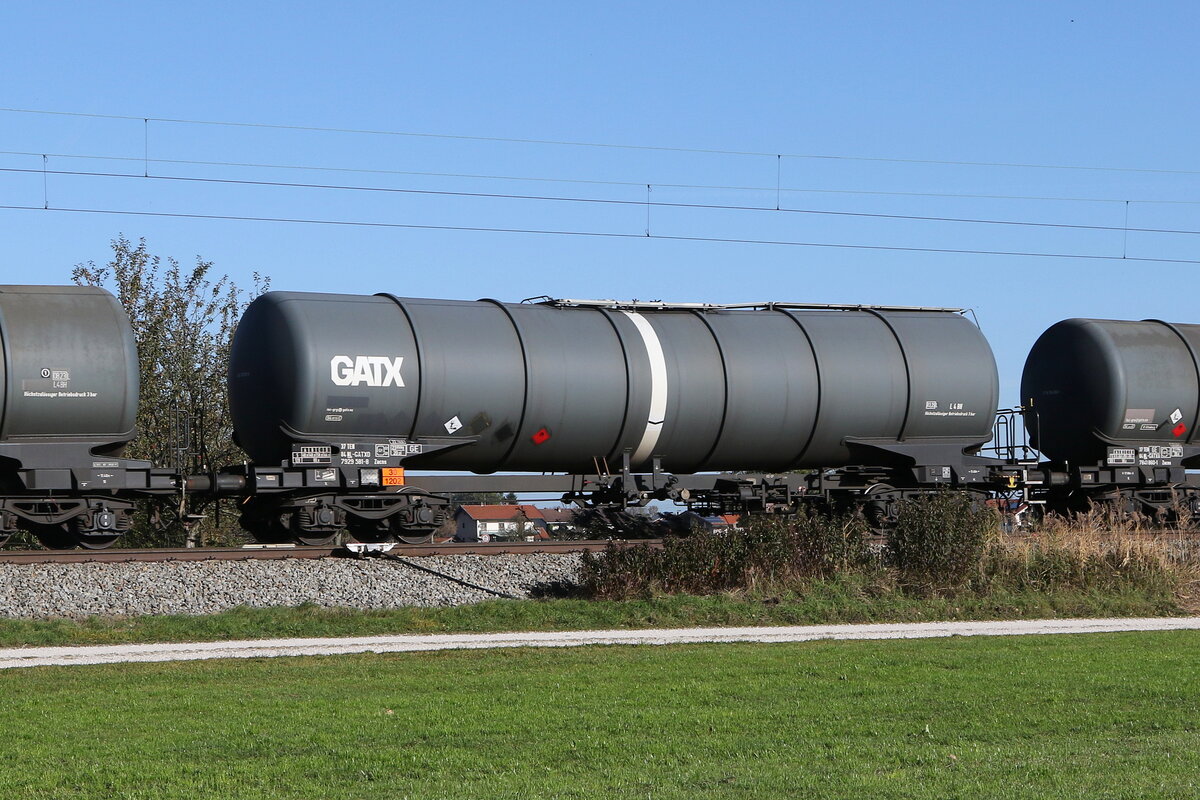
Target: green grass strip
842	600
1099	716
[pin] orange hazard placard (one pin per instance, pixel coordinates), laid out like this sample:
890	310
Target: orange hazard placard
393	476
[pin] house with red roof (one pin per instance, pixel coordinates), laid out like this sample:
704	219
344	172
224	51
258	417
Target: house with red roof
486	523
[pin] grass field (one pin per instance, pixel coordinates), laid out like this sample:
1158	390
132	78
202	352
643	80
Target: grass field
846	599
1096	716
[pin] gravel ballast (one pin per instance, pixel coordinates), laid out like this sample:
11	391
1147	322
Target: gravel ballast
34	591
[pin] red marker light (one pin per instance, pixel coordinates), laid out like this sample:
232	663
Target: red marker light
1179	430
541	437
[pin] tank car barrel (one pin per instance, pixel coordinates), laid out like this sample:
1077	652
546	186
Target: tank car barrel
68	366
564	387
1114	391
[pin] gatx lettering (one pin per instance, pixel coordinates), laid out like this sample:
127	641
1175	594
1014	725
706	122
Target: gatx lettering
366	370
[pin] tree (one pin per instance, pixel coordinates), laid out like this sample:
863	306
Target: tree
476	498
183	322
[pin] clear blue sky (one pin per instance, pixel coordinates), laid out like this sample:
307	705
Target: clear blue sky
1080	83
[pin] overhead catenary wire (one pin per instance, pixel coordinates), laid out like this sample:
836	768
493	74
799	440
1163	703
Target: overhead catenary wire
647	202
611	145
600	234
596	182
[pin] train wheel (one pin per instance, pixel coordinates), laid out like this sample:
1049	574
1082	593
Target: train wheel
317	525
881	506
97	542
55	537
1187	507
317	539
416	537
94	538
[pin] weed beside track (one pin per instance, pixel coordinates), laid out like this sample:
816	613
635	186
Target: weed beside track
941	548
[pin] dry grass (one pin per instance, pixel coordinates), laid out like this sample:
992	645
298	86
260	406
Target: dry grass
1097	550
943	546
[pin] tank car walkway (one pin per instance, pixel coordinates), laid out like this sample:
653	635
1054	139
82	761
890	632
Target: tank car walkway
268	648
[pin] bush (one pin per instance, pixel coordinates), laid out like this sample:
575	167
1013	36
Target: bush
769	551
943	545
938	540
1092	563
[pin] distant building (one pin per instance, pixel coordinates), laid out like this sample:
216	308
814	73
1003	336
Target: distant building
486	523
722	522
559	520
731	522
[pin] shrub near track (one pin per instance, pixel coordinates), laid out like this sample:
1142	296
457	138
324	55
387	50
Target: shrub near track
938	541
769	553
941	546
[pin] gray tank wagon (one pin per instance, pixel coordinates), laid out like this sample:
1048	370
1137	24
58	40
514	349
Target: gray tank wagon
1096	386
1113	405
343	391
69	383
564	387
70	370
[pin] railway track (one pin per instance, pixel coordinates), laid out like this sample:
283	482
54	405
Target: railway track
266	552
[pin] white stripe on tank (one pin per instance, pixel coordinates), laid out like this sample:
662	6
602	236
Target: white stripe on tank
658	388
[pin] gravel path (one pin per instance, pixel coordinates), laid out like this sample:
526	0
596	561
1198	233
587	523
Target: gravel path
267	648
33	591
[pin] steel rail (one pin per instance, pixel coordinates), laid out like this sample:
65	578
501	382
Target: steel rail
268	552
